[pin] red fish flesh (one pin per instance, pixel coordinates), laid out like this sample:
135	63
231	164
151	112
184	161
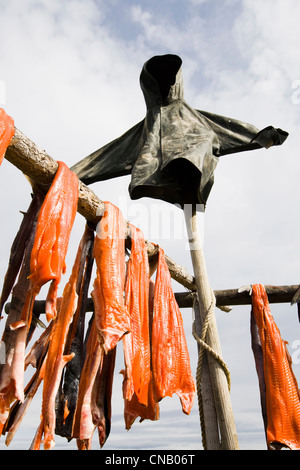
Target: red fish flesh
281	388
7	131
111	314
55	222
12	372
170	356
84	426
56	359
137	343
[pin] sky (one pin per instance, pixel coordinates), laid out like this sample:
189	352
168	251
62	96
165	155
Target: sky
69	76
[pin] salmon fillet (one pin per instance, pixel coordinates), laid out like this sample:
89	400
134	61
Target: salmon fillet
56	359
136	344
55	222
68	391
111	314
133	409
281	388
170	356
7	131
102	394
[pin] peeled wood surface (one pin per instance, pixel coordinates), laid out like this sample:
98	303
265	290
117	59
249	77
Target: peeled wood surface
231	297
41	168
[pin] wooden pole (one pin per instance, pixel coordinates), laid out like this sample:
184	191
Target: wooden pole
276	295
229	439
41	168
207	409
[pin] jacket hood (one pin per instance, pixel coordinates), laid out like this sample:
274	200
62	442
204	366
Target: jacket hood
161	80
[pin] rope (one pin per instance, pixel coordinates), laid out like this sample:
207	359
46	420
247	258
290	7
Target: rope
203	346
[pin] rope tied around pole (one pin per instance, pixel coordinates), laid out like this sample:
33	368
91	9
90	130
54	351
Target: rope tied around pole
203	346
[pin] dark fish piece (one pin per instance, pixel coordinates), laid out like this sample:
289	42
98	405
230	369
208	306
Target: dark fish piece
18	247
101	396
259	365
68	391
282	394
84	427
12	372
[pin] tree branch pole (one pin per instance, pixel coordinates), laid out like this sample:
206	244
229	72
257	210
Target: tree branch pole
229	440
232	297
37	165
206	404
41	168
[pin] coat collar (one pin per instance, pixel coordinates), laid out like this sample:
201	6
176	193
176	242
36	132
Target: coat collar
161	80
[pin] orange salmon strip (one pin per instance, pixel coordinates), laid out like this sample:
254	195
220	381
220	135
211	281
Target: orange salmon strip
7	131
133	408
55	359
282	399
170	356
111	314
55	221
54	226
136	344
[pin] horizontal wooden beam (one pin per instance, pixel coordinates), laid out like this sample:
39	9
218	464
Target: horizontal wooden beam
227	297
40	168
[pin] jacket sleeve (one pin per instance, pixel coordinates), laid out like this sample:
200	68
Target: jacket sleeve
112	160
237	136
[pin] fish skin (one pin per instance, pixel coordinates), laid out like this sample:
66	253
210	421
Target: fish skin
259	365
136	343
18	247
83	426
12	372
170	356
282	398
67	396
111	315
101	396
7	131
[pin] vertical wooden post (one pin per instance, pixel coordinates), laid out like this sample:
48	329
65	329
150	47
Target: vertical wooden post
207	409
229	440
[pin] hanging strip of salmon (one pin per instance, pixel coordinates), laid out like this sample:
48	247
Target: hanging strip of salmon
281	389
170	356
137	343
56	358
55	221
133	408
84	426
111	315
7	131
